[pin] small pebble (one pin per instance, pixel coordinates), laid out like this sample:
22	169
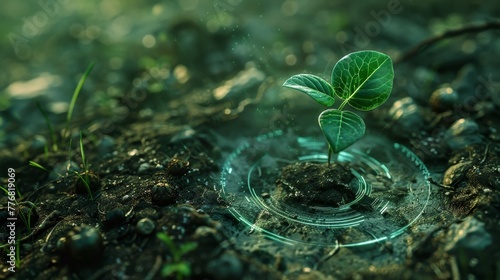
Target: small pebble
406	116
106	145
84	245
444	98
463	127
115	217
145	226
454	171
463	133
61	169
178	167
143	168
163	195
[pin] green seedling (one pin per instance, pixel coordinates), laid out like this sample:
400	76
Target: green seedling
26	217
177	267
84	179
65	132
76	93
361	79
82	153
83	176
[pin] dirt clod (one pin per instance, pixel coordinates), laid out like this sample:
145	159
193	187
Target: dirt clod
316	184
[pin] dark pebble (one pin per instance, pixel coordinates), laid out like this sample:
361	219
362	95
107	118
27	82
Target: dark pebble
84	245
115	217
163	195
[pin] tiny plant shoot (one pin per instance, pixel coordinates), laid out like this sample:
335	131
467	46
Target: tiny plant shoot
361	79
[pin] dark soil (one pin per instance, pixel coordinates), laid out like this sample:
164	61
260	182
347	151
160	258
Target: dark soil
316	184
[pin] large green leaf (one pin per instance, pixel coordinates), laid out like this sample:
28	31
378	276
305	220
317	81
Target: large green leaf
341	128
363	79
317	88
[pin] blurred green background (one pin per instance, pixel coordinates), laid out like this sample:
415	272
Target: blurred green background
163	49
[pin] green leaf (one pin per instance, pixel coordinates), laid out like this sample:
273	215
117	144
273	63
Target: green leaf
37	165
181	268
78	88
341	128
170	244
317	88
84	162
363	79
187	247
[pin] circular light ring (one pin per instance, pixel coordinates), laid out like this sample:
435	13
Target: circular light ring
391	190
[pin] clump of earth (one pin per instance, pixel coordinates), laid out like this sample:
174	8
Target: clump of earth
316	184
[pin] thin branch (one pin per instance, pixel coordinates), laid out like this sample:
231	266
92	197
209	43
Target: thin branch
448	34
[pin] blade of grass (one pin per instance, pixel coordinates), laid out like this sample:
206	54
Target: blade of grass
85	183
37	165
19	196
84	162
75	96
4	190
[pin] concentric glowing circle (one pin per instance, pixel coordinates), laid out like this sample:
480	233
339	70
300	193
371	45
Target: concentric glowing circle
391	190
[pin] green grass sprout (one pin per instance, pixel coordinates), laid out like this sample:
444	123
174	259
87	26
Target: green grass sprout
82	152
86	183
85	178
37	165
178	267
76	93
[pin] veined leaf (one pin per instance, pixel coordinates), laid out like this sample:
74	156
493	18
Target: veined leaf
341	128
363	79
314	86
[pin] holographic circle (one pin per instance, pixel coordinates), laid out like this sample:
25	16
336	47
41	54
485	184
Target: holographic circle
391	190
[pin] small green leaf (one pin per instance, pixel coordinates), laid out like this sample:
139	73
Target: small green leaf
317	88
181	268
170	244
187	247
363	79
341	128
78	88
37	165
